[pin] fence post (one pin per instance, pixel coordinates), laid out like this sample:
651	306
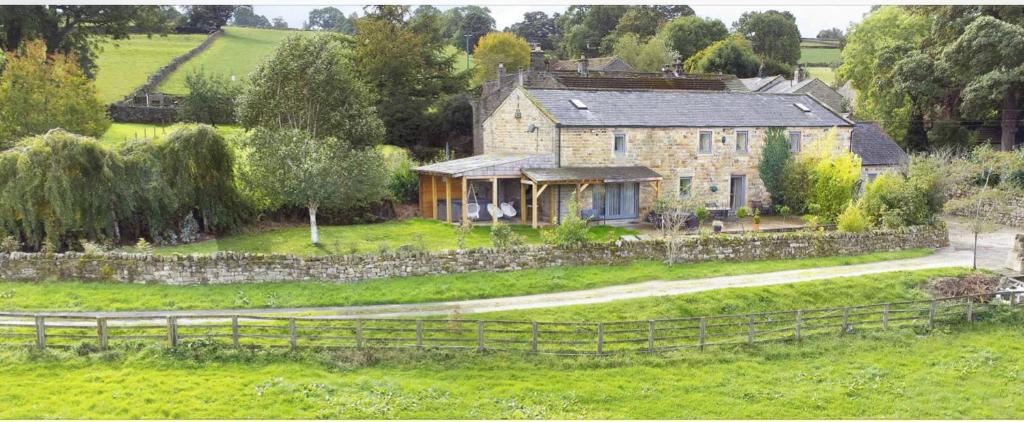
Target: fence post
40	332
650	336
101	332
359	333
234	331
293	339
703	329
533	339
750	329
970	309
172	331
846	320
799	319
885	317
600	338
931	315
479	336
419	334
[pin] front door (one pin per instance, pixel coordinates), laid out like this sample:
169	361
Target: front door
617	200
737	193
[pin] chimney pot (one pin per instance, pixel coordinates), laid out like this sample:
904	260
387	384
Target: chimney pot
582	66
501	73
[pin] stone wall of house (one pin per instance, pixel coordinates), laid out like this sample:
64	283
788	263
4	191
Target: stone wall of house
506	130
673	153
244	268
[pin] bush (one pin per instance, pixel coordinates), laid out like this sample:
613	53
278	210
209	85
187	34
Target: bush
893	201
403	183
503	237
9	244
796	185
572	232
852	220
773	163
210	99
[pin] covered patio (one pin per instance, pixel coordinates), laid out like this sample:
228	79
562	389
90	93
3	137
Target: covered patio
615	191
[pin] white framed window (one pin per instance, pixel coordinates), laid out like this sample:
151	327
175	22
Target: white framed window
685	186
872	177
794	140
742	141
704	146
619	144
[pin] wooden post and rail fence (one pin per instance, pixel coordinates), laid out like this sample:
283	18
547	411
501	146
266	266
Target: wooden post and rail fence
43	330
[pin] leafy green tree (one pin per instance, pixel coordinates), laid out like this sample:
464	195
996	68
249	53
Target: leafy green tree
587	28
773	34
537	27
210	99
831	34
732	55
40	92
989	58
774	156
311	84
649	56
330	19
410	71
279	23
208	16
468	24
903	68
499	48
429	24
245	16
688	35
292	168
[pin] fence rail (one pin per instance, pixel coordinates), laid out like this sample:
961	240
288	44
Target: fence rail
575	338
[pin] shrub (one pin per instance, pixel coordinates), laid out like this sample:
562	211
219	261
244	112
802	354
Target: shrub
836	174
143	246
894	201
773	163
503	237
796	184
572	232
92	248
852	220
9	244
210	99
403	183
461	232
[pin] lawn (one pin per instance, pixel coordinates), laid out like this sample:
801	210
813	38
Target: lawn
954	373
79	296
122	132
820	55
428	234
463	61
237	52
826	74
124	65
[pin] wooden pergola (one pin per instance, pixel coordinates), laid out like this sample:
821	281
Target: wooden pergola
581	178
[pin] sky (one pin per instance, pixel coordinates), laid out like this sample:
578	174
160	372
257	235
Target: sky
809	18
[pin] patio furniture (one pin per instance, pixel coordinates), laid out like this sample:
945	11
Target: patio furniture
495	211
473	211
508	210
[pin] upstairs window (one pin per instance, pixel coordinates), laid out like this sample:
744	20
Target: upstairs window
742	141
705	143
794	141
620	144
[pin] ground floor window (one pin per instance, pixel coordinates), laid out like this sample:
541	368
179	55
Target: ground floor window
685	187
616	200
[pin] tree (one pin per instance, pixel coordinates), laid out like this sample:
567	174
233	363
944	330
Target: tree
987	58
902	68
643	21
429	24
537	27
40	92
210	17
673	215
689	34
773	34
648	56
210	99
78	29
499	48
291	167
410	72
279	23
831	34
835	174
773	162
245	16
476	22
311	84
984	204
586	29
732	55
330	19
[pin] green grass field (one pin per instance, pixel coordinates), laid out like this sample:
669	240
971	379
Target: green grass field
124	65
237	52
953	373
826	74
820	55
430	234
461	62
123	132
79	296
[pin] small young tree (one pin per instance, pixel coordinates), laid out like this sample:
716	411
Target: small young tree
674	215
982	205
773	162
290	167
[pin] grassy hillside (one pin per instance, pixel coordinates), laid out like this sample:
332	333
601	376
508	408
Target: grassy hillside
237	52
820	55
124	65
826	74
461	62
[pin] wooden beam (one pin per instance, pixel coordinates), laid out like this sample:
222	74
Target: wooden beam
657	190
465	200
577	193
541	190
494	199
433	196
522	203
448	199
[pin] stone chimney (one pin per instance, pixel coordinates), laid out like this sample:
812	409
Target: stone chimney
501	73
537	59
677	66
581	66
798	74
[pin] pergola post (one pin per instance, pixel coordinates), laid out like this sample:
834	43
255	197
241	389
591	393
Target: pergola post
554	211
433	196
657	189
494	199
448	198
522	203
465	200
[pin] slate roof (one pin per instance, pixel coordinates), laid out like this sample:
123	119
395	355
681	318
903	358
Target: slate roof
459	166
874	147
648	81
776	84
680	108
603	174
613	63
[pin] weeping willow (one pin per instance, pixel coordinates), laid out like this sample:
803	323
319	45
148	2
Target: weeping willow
60	188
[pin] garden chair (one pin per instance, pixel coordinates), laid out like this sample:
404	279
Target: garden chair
508	210
473	211
495	211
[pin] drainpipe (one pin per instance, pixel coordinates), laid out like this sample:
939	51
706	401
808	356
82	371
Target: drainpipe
558	145
558	163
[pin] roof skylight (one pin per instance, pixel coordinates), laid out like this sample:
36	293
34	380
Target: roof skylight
578	104
802	107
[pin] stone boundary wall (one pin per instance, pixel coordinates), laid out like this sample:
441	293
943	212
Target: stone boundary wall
227	267
1013	215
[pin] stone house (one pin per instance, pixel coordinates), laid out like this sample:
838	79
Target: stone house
878	152
800	84
617	151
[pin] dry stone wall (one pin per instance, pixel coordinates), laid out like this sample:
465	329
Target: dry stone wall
1012	215
251	268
